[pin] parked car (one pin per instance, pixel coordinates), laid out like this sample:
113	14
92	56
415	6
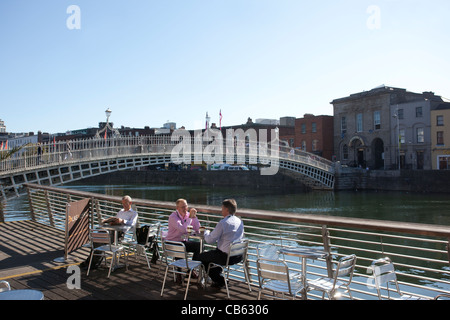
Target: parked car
238	168
220	166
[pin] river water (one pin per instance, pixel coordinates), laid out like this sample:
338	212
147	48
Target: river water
398	206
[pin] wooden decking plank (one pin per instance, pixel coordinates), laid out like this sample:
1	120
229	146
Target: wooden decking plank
26	261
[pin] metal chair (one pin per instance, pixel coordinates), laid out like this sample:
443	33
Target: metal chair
4	286
183	266
269	250
103	237
273	275
345	267
442	296
238	248
149	240
384	273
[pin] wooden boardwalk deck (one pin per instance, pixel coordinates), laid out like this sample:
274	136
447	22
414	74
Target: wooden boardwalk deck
28	250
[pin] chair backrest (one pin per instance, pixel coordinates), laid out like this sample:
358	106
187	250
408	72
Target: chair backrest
345	267
267	250
238	248
384	272
269	269
152	230
174	249
100	236
164	230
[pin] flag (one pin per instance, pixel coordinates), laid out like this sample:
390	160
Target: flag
6	145
105	134
220	119
1	146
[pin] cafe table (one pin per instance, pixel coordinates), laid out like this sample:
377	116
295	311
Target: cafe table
22	294
199	237
303	253
116	229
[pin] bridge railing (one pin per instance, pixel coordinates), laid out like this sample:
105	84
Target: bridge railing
55	153
420	252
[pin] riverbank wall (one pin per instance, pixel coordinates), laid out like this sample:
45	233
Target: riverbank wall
209	178
347	179
417	181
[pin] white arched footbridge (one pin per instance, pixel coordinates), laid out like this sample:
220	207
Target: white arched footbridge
64	162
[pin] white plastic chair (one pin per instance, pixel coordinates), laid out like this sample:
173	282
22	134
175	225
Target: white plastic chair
273	275
383	272
238	248
103	237
183	266
345	267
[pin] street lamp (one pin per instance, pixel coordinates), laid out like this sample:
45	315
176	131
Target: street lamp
107	125
398	137
108	114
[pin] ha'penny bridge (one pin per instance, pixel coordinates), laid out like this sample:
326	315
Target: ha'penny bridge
57	163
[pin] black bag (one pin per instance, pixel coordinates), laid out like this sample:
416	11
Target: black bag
141	238
141	234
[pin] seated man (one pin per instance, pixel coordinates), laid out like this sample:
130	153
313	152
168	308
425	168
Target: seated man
126	216
179	220
228	230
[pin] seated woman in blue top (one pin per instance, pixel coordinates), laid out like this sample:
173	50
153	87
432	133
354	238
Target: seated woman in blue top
227	231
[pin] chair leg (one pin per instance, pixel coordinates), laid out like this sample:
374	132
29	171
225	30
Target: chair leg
110	266
187	286
164	281
90	261
247	278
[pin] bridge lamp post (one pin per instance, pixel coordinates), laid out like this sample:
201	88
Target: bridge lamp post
396	116
115	132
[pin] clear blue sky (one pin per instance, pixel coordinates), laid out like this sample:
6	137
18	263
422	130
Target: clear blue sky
150	61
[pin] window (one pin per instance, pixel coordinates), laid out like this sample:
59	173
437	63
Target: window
314	127
420	135
303	128
344	152
444	162
419	112
376	120
402	136
400	113
315	145
343	125
304	145
439	120
359	122
440	137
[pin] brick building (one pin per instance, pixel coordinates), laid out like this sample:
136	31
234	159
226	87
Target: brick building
315	134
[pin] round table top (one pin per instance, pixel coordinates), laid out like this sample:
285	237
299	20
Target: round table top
22	294
303	252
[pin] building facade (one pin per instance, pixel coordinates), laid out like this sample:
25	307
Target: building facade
384	128
315	134
440	137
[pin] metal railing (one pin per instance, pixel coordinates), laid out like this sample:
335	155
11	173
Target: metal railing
420	252
82	150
